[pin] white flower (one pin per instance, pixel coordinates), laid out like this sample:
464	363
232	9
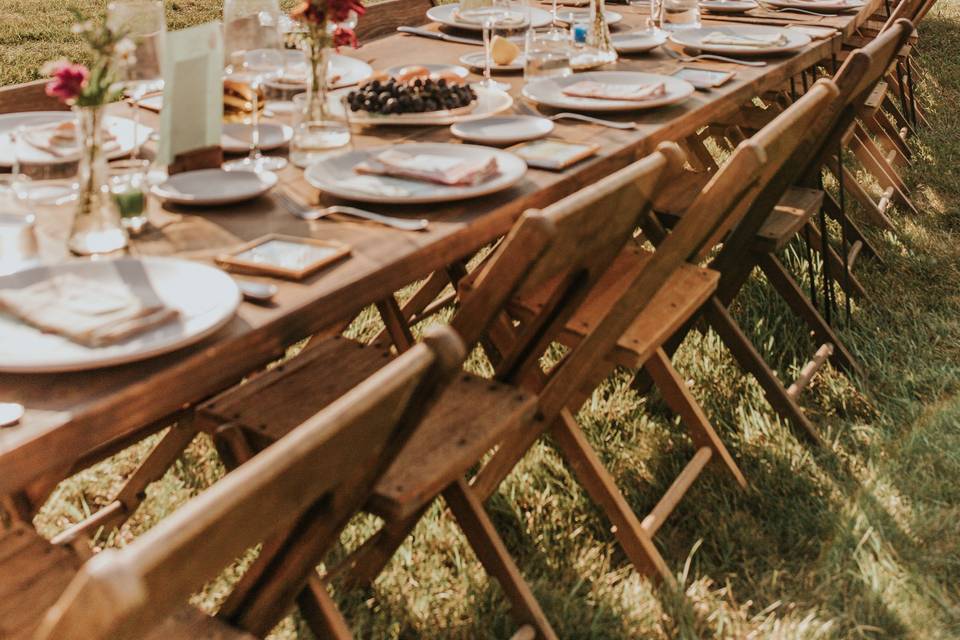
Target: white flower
53	66
81	27
125	50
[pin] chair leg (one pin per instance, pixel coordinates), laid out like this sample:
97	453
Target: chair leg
855	189
790	291
854	288
493	555
133	492
596	480
321	612
751	361
866	152
682	403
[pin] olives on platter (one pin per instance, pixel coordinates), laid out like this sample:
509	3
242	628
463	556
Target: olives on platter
419	95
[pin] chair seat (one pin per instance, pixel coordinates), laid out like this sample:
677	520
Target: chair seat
682	295
470	417
796	206
34	573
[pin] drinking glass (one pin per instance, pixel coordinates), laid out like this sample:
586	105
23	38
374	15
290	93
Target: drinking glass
498	12
547	54
254	49
654	7
18	240
144	23
676	15
128	189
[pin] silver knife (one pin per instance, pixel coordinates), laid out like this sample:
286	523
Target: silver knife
436	35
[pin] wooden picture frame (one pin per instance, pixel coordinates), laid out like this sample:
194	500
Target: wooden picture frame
241	259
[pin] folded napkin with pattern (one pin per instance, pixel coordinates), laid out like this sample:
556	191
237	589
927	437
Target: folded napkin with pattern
60	139
610	91
89	312
445	170
742	40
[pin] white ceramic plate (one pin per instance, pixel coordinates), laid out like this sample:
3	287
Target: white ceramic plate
503	130
489	102
446	14
344	70
212	187
206	297
693	39
825	6
728	6
549	91
477	61
236	136
455	69
570	16
122	130
638	42
336	176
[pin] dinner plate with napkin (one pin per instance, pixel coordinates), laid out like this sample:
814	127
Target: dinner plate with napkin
416	173
608	91
86	315
741	39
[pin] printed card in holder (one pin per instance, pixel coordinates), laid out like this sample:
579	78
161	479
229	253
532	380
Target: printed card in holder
191	119
283	256
553	154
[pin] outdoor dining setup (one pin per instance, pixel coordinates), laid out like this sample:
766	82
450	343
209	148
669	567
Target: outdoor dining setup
559	190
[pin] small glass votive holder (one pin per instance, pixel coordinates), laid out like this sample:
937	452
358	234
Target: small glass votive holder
128	190
18	238
315	136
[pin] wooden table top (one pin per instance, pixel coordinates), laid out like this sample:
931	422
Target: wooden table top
70	415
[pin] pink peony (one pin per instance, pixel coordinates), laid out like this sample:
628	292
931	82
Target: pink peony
344	37
68	80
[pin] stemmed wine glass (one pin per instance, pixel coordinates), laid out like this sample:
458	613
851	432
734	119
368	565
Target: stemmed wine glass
498	11
144	23
254	50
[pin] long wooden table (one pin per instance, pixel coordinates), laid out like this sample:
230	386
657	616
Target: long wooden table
72	418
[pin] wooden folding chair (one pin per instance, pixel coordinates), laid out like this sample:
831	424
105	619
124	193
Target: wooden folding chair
771	222
627	318
576	239
324	469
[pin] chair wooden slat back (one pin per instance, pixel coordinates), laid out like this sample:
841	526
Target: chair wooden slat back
574	240
778	142
29	96
880	54
382	19
329	463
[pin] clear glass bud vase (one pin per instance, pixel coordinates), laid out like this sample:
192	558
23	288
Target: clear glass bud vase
598	38
96	226
316	131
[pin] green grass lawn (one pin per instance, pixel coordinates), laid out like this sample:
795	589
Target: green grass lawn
858	540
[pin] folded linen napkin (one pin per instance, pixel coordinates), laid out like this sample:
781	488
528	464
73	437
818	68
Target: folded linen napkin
60	139
445	170
741	40
609	91
502	20
88	312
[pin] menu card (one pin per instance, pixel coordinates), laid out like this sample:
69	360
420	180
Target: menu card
192	92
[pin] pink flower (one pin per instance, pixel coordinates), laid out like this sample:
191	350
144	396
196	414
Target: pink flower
68	80
340	9
344	37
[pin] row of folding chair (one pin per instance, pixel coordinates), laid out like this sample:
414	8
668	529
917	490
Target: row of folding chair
390	434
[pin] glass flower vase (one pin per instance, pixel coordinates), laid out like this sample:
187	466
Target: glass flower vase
316	131
601	49
96	226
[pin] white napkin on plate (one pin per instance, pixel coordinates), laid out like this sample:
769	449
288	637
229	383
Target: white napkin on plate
90	312
611	91
742	40
445	170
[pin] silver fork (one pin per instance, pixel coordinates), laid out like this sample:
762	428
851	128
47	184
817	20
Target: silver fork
305	212
799	10
710	56
613	124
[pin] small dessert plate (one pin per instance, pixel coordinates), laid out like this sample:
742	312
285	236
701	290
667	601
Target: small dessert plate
438	69
212	187
236	136
639	41
477	61
503	130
